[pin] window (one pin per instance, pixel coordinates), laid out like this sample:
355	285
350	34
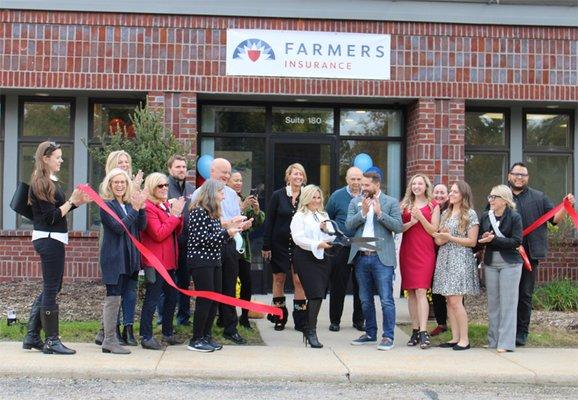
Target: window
107	116
487	142
45	119
233	119
302	120
370	123
548	151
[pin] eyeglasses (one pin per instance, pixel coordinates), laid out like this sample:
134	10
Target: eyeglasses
52	146
493	197
518	175
162	185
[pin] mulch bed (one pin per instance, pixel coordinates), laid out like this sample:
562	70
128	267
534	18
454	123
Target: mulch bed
82	301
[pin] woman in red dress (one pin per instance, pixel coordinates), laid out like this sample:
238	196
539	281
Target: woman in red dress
417	255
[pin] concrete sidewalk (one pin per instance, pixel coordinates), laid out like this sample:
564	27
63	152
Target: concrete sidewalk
286	358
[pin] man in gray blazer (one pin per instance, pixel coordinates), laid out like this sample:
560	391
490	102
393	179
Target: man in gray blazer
375	214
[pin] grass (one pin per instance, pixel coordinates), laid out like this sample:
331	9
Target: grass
538	337
84	332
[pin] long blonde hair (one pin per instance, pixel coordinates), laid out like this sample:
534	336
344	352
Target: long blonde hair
112	161
409	199
465	207
106	189
306	197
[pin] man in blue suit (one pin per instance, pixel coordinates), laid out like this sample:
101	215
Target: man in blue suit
375	214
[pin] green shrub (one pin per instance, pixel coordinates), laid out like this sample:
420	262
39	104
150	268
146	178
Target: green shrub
558	295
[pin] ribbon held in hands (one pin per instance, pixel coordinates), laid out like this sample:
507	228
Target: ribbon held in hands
543	219
159	267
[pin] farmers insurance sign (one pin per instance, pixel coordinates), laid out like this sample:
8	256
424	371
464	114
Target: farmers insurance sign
307	54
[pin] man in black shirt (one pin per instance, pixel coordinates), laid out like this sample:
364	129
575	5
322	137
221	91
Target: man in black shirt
179	187
531	204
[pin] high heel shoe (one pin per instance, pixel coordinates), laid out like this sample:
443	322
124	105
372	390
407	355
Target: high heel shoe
310	336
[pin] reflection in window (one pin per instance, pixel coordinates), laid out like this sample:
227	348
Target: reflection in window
485	128
548	130
385	155
551	173
483	172
108	118
302	120
233	119
370	123
46	119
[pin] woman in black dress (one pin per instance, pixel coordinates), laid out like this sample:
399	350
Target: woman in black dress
310	262
278	246
50	235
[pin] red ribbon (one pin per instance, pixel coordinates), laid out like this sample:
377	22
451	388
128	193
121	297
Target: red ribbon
544	218
159	267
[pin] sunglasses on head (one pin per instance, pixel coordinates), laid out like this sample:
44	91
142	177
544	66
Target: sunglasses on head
162	185
52	146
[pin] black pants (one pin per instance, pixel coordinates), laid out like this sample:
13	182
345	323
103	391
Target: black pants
210	279
440	308
152	294
183	282
340	273
525	298
245	278
52	255
230	260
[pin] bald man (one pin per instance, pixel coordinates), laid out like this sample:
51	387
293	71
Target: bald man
230	208
337	210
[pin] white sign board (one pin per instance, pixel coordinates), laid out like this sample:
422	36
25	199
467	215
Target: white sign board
308	54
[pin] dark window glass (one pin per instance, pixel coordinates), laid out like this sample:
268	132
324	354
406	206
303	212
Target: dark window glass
302	120
485	128
551	173
110	117
233	119
370	123
548	130
483	172
385	155
46	119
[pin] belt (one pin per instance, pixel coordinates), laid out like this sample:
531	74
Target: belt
368	253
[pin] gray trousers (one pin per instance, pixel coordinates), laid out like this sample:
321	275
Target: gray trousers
502	281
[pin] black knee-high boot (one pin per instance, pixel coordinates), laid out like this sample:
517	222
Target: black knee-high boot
32	339
313	307
279	322
52	345
300	315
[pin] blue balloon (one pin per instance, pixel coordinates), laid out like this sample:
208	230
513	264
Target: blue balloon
204	165
363	162
377	170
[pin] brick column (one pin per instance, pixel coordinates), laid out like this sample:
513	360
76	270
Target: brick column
436	139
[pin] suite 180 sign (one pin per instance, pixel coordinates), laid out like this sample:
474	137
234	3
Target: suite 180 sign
308	54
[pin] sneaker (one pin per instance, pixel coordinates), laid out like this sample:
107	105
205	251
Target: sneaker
171	340
363	339
212	342
386	344
200	345
151	344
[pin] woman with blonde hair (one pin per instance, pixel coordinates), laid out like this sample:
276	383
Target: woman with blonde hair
164	223
417	255
49	238
310	262
204	251
456	271
120	260
278	246
121	159
501	234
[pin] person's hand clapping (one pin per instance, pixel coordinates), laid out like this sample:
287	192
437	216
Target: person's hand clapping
178	206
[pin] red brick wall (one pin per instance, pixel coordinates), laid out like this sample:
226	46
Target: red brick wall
562	262
187	54
435	139
19	261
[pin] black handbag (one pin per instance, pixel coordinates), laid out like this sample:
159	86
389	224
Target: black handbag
19	201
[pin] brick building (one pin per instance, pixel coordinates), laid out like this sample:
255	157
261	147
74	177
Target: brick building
459	89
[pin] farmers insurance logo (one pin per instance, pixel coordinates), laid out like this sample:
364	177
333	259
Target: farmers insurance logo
253	50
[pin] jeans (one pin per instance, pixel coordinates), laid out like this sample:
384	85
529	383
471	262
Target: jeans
183	282
52	254
129	300
372	273
152	294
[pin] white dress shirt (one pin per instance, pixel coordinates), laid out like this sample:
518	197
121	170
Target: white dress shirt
307	234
